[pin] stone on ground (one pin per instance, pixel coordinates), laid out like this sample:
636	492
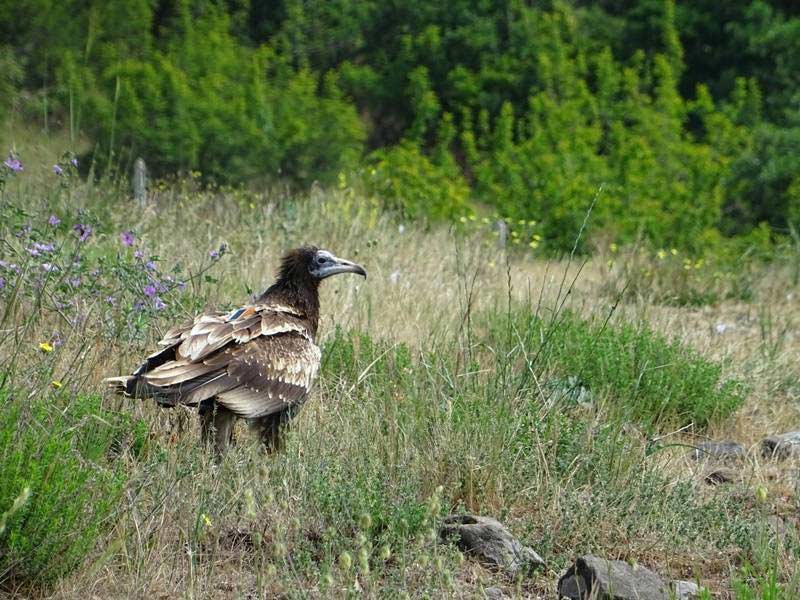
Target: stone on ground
601	579
781	446
489	541
726	450
686	590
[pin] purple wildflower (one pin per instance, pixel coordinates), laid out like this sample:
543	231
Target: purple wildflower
159	304
75	282
49	267
111	300
26	229
214	255
95	273
74	162
138	305
58	170
39	248
181	285
56	340
138	254
149	290
54	221
9	266
2	282
83	231
150	265
12	162
126	237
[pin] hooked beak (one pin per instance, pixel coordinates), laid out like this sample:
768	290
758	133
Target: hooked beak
341	265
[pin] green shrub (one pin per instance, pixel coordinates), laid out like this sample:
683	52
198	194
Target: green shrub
645	376
410	183
60	454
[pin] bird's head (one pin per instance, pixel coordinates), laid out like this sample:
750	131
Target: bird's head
315	263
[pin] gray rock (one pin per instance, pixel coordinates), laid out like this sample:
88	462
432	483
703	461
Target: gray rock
685	590
781	446
494	593
489	541
600	579
721	475
573	587
726	450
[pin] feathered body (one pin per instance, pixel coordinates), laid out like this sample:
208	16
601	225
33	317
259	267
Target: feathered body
256	362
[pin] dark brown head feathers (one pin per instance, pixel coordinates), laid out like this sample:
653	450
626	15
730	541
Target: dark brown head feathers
295	263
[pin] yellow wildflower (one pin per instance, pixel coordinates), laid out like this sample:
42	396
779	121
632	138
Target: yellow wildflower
463	219
537	237
45	347
674	252
613	247
534	244
206	520
56	384
661	254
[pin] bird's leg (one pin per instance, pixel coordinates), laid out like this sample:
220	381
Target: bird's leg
269	430
206	412
224	420
218	421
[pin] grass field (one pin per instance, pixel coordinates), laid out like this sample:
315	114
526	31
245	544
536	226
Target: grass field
447	385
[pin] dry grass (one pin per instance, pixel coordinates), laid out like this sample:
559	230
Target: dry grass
257	527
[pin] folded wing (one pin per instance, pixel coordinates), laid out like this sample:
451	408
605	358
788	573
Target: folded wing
256	360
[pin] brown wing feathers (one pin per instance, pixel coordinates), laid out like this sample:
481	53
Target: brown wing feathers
256	360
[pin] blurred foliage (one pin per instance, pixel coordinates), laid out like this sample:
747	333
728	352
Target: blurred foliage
11	73
686	114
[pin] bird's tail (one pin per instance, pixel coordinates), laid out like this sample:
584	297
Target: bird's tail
125	384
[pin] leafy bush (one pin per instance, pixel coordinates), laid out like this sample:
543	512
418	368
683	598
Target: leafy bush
764	182
410	183
645	376
57	451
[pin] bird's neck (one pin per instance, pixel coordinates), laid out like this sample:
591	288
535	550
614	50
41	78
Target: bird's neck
301	295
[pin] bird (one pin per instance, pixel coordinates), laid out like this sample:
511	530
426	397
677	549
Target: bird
257	362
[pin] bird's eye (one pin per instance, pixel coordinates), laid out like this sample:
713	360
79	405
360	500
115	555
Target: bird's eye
321	260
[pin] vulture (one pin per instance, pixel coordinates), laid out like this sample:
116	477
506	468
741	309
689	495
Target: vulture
257	362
